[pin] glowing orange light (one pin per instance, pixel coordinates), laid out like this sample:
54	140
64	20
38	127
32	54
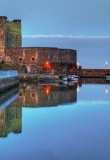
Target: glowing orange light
47	89
47	65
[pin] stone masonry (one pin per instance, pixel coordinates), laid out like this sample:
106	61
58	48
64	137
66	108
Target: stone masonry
10	34
36	59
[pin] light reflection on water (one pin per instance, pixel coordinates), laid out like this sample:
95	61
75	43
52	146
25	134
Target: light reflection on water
56	122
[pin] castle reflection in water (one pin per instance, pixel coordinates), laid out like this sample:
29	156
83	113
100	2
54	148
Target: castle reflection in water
35	95
10	113
31	95
46	95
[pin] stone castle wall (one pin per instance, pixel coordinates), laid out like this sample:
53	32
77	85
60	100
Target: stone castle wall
35	59
10	34
13	34
42	58
2	35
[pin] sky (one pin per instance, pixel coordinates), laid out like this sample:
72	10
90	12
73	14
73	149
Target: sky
83	25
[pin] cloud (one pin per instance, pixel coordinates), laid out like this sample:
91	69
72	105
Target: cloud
66	36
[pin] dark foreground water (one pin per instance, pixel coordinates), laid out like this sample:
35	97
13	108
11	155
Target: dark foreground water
55	122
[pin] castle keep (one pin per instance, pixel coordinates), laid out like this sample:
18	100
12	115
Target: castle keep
10	34
36	59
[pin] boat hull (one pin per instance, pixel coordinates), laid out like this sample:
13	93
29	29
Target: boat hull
72	78
107	77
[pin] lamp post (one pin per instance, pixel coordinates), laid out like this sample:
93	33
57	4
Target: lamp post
77	64
77	67
106	63
106	91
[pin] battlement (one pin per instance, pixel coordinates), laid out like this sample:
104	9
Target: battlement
18	21
3	17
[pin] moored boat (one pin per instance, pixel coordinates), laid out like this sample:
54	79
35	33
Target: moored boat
107	76
65	78
72	77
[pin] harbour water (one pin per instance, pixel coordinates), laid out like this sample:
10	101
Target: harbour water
56	122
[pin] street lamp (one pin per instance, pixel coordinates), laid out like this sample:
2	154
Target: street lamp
106	63
106	91
77	64
78	89
77	68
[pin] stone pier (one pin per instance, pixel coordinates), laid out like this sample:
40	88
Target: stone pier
8	79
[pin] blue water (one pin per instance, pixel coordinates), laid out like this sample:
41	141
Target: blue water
78	130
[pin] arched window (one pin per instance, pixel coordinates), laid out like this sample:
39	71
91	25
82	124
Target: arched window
32	95
33	58
20	59
20	95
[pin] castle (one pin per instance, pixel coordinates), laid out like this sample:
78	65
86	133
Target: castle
36	59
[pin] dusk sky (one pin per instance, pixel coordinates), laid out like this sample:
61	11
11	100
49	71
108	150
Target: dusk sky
83	25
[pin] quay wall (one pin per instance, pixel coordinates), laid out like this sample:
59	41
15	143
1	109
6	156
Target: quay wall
8	81
92	73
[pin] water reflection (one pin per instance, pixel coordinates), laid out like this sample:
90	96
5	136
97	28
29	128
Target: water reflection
93	81
10	114
40	95
46	95
31	95
75	131
7	97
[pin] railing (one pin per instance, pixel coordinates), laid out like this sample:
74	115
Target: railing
4	74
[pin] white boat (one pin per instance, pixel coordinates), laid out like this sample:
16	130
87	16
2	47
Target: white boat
107	76
72	77
65	78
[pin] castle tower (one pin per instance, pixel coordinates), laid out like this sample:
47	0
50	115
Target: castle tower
10	120
13	38
3	21
18	34
10	34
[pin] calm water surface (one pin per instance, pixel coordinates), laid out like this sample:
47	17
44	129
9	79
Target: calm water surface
55	122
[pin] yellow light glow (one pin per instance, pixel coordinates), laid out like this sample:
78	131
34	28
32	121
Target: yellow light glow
106	91
47	91
106	62
78	89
